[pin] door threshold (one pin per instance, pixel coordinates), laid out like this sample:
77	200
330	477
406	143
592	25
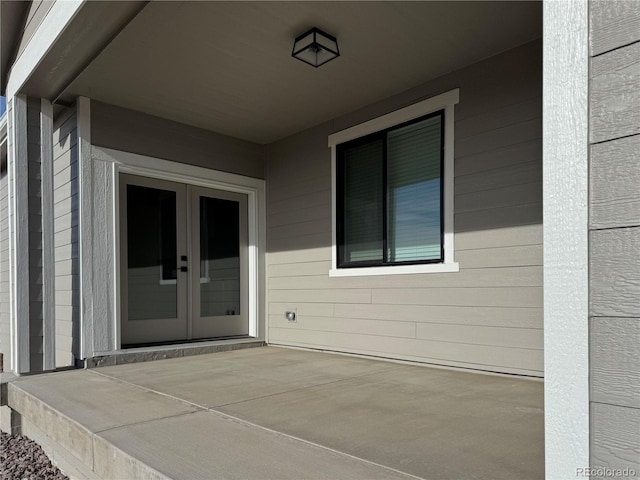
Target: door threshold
162	352
182	342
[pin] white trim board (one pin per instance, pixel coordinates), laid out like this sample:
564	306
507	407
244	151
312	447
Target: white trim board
18	211
85	214
48	233
566	254
131	163
445	101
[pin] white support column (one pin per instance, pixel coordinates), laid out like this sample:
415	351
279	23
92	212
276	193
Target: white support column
18	183
565	212
85	174
48	264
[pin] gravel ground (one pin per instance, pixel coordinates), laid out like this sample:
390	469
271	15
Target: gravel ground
24	459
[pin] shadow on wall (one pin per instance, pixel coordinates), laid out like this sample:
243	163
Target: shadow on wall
498	154
66	227
493	190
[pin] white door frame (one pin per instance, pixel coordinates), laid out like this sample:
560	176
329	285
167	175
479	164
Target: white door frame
253	188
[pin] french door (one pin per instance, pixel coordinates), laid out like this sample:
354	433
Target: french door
184	262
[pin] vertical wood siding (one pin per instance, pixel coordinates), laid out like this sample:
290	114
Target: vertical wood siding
65	197
614	214
488	316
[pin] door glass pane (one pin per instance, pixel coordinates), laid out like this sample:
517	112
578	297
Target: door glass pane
151	253
219	257
413	195
363	206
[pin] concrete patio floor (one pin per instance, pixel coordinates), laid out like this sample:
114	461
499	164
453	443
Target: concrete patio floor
276	413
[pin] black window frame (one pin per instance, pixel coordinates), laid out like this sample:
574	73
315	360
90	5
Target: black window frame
340	194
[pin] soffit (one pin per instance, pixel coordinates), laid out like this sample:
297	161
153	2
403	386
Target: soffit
226	66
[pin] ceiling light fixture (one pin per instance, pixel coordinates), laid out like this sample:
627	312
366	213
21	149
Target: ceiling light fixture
315	48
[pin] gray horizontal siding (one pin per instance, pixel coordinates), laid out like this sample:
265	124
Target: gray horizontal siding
615	94
309	275
427	315
5	253
614	221
136	132
613	24
508	175
615	437
614	192
5	319
487	316
456	354
615	272
615	361
474	335
66	246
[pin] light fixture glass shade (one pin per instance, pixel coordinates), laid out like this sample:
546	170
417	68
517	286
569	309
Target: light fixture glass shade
315	47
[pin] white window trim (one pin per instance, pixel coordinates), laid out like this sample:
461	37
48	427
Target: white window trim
446	102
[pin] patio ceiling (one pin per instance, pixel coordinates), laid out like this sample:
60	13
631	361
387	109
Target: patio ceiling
226	66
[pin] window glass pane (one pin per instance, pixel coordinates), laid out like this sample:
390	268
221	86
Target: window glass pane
363	203
151	253
219	257
413	192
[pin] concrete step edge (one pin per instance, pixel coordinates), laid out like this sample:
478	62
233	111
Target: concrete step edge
81	454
